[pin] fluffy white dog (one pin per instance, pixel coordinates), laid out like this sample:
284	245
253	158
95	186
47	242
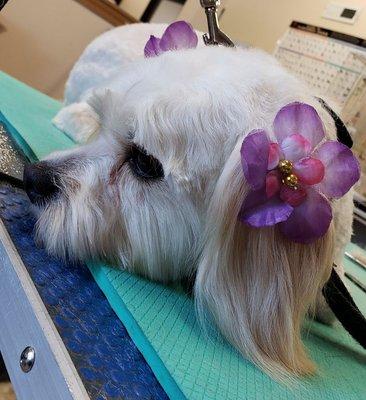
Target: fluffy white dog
158	185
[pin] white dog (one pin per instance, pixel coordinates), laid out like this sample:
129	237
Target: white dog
158	186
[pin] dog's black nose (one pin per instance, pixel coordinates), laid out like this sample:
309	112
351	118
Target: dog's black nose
40	182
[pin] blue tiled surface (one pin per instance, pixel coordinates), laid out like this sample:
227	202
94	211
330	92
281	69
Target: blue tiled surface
108	362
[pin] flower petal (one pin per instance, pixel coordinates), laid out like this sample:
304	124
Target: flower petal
254	158
258	211
310	220
274	155
299	118
295	147
273	183
152	47
179	35
342	169
292	196
309	170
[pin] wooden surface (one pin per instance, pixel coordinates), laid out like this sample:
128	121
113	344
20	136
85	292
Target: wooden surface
108	11
25	322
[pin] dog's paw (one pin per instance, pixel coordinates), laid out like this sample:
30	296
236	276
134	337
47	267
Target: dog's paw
78	120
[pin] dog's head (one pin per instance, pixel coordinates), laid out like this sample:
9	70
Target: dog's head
159	188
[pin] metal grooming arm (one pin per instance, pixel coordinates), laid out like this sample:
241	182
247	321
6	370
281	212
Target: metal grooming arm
215	36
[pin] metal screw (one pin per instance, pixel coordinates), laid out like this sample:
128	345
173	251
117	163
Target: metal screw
27	359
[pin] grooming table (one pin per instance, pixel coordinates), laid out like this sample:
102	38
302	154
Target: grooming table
81	346
101	333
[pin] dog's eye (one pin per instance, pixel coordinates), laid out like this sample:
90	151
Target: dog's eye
144	165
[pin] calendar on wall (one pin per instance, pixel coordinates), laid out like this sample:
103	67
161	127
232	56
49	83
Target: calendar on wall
334	65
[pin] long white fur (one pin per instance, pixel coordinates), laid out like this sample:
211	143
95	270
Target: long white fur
191	110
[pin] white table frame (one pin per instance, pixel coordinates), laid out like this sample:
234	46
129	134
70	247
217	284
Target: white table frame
24	321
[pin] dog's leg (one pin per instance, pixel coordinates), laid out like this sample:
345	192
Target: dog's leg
77	120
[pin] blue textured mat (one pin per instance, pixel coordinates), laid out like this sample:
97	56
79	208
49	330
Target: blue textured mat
109	364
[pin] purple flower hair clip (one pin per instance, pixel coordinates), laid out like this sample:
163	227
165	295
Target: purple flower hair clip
177	36
292	181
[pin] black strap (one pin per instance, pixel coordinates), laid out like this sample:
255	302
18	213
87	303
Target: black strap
2	3
341	303
343	135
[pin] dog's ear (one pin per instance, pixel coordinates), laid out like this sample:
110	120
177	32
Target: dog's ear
101	101
256	284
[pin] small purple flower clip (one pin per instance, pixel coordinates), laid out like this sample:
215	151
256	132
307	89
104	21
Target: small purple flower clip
293	179
178	35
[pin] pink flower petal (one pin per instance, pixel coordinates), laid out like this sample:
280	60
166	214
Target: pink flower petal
179	35
254	158
274	155
309	170
292	196
295	147
152	47
298	118
342	169
273	183
310	220
258	211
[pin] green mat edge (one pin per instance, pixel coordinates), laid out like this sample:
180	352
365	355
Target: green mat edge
18	139
142	343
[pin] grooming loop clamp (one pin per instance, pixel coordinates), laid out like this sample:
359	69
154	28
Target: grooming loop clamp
215	36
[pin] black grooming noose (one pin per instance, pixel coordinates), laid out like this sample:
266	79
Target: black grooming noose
344	308
343	135
335	292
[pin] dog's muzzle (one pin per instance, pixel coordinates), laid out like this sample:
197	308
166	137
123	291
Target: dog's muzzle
40	182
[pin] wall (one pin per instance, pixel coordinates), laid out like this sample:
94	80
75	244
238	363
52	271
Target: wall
41	40
166	12
135	7
262	22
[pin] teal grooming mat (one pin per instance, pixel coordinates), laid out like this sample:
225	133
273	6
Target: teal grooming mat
161	320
